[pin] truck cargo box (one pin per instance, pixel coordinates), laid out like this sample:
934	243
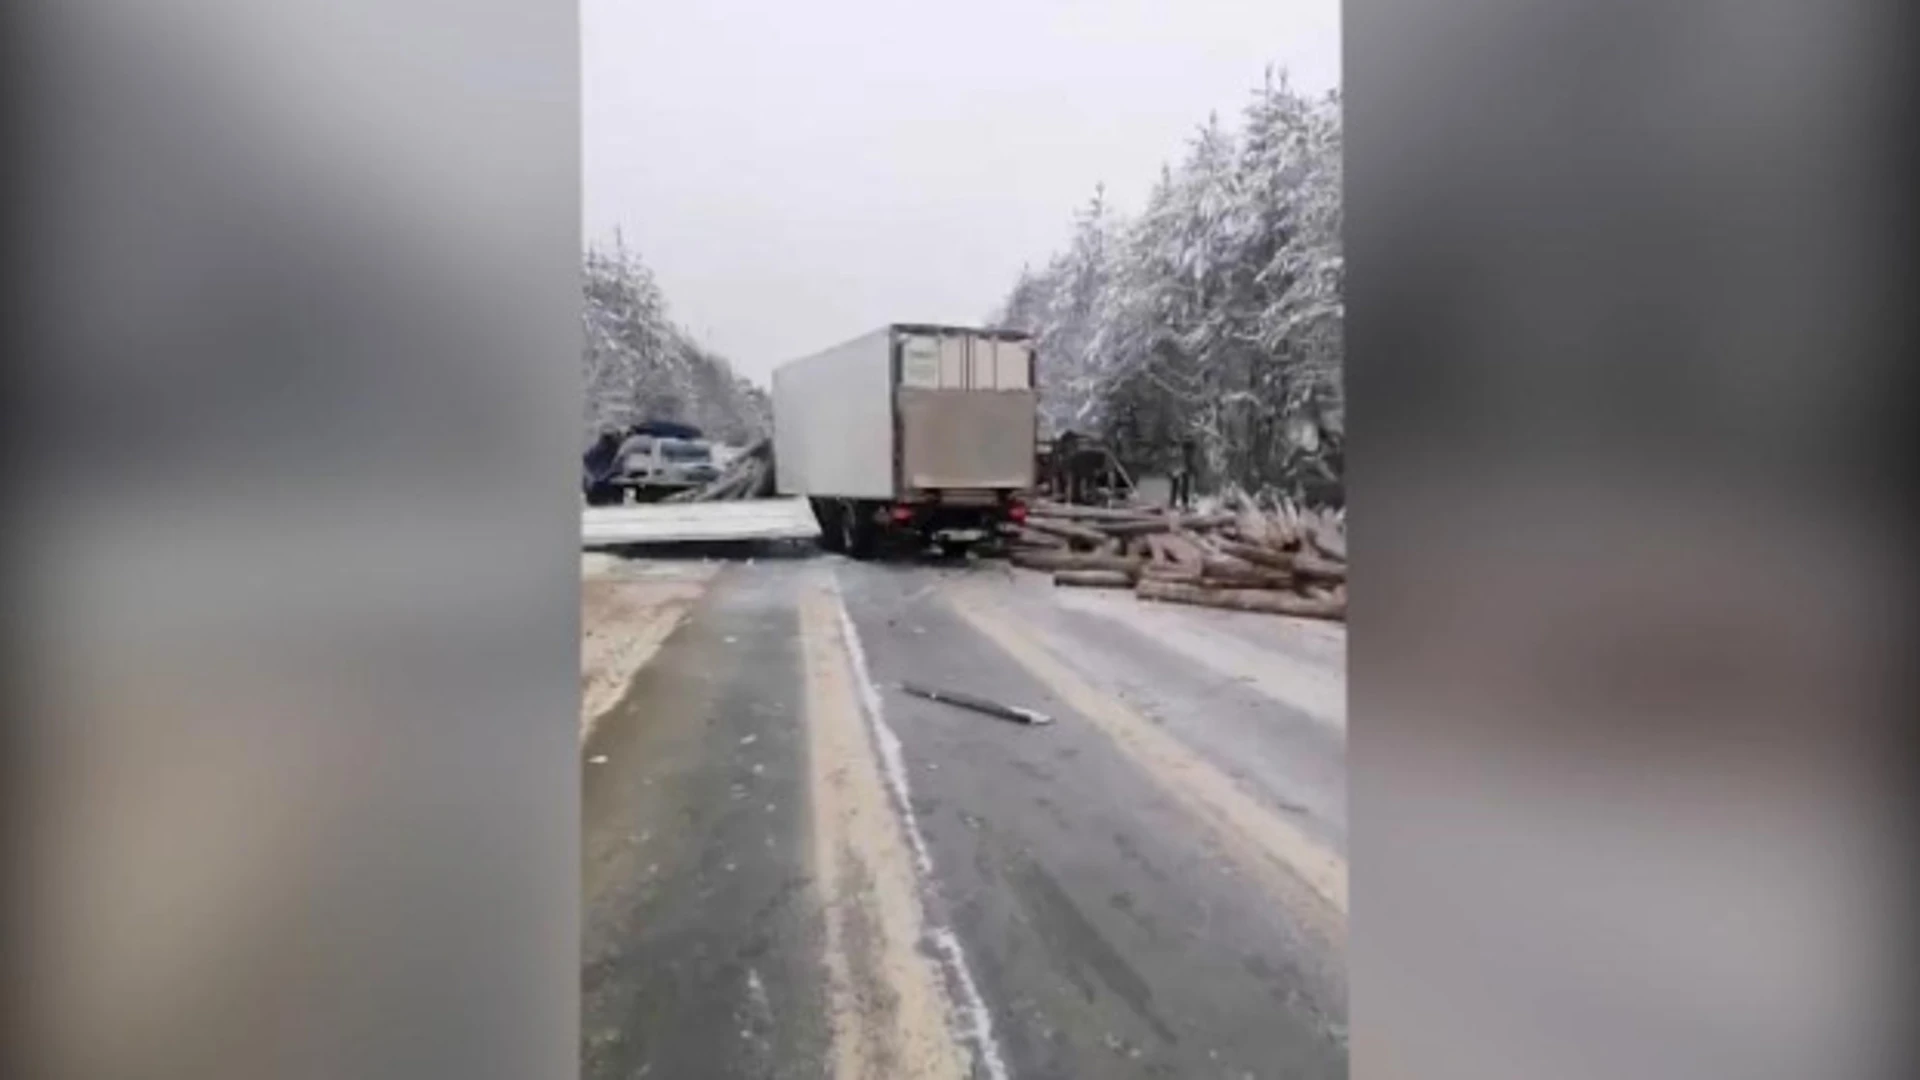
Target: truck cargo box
908	412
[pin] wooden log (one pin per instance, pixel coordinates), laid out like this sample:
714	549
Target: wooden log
1258	554
1067	530
1206	522
1270	601
1219	574
1316	568
1329	542
1224	565
1253	527
1156	551
1224	571
1053	561
1094	579
1143	527
1089	513
1254	579
1182	550
1208	546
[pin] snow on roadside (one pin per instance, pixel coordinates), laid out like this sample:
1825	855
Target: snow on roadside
1302	662
628	608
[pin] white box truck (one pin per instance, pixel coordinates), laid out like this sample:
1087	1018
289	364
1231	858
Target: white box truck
910	431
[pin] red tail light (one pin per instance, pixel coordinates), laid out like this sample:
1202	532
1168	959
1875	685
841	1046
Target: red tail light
1017	513
903	513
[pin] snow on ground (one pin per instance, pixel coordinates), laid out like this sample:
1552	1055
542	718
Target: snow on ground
1300	661
627	609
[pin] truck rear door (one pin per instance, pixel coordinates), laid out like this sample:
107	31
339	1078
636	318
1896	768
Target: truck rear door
966	407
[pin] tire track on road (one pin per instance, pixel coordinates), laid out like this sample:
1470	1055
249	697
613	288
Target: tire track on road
1294	866
890	1011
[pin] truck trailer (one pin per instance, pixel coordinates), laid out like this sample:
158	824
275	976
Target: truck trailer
912	431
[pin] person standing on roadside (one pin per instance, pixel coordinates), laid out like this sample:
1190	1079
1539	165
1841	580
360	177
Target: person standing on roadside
1065	481
1184	466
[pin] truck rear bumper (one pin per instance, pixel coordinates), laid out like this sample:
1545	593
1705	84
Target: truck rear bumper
954	517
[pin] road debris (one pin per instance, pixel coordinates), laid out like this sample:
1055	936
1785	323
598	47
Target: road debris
1269	556
748	476
597	759
1016	713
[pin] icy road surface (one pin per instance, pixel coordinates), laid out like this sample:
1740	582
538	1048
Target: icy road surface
793	869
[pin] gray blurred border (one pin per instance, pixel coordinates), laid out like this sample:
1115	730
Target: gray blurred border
296	787
1628	643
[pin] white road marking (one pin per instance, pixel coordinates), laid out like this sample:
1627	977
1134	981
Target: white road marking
890	1005
978	1020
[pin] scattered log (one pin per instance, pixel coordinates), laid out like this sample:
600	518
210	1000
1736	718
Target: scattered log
1224	566
1156	550
1218	577
1207	522
1217	571
1254	528
1270	601
1089	513
1330	544
1208	546
1315	568
1053	561
1067	530
1257	554
1134	528
748	476
1094	579
1254	579
1180	549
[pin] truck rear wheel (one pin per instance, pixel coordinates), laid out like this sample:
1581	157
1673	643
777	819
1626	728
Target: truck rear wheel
828	514
857	530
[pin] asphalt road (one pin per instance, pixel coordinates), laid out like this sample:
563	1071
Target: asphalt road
794	869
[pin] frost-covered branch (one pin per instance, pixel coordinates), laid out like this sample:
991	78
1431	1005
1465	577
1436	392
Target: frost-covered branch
640	365
1216	312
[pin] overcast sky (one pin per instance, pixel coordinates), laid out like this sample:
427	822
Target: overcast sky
798	173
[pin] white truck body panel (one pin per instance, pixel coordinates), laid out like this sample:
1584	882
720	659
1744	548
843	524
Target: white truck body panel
833	421
667	523
964	362
960	415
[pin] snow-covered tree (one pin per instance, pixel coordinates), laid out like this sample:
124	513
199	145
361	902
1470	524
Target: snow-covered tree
1215	314
639	365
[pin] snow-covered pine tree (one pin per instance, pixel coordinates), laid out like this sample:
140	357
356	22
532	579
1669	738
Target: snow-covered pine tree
639	365
1216	314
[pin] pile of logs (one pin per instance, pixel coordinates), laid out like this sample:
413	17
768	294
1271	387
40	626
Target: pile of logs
1282	560
748	476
